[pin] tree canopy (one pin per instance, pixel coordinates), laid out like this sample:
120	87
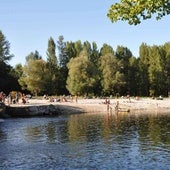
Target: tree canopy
88	71
35	76
133	11
4	49
81	77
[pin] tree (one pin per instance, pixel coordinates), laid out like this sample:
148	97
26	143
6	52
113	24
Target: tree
166	48
133	74
33	55
112	80
21	72
133	11
70	50
52	64
35	77
78	47
81	77
63	58
144	59
4	49
156	71
18	70
123	54
105	49
51	54
7	78
94	57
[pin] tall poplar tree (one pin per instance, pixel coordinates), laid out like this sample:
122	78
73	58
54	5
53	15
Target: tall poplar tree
123	54
64	57
156	71
144	59
52	64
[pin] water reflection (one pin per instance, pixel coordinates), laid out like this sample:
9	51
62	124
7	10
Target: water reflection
148	127
89	141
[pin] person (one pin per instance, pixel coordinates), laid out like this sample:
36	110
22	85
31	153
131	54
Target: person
1	96
17	97
23	99
108	104
71	98
9	98
76	98
117	106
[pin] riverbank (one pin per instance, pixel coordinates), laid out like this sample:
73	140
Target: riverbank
41	107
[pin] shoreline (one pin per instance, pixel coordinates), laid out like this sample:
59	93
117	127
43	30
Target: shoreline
41	107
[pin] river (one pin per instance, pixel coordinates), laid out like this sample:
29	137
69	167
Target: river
86	141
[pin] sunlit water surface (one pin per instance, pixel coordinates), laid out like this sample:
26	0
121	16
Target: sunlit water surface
86	141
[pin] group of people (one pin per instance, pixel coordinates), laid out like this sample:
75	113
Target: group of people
2	97
12	98
107	102
60	99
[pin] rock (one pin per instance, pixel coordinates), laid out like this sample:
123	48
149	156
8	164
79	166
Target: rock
40	110
3	111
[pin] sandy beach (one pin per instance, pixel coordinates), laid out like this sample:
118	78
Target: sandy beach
98	105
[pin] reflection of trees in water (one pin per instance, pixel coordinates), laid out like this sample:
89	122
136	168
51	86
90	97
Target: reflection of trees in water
84	127
50	132
154	129
96	127
144	127
3	135
33	133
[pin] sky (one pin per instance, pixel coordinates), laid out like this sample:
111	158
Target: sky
28	25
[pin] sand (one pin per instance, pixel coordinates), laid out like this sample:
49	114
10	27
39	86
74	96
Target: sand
97	105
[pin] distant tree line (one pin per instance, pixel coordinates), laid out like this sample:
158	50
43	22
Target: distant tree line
81	68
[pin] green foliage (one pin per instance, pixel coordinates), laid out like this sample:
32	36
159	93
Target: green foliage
143	69
112	79
156	71
106	49
64	54
133	77
123	54
94	57
8	80
4	49
52	65
81	77
51	54
63	57
33	56
85	69
133	11
18	70
78	48
35	76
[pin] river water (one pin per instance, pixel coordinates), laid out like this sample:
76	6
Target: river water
86	141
